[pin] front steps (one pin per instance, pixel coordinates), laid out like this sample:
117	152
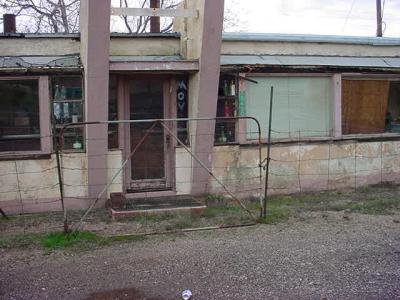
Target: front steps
157	205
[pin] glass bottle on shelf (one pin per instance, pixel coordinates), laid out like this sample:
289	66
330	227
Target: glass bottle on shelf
57	93
222	137
57	112
63	93
233	88
226	88
226	109
77	144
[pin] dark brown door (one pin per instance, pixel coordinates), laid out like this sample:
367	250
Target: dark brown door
148	164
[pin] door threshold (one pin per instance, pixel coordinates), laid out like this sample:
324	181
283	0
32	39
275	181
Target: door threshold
133	194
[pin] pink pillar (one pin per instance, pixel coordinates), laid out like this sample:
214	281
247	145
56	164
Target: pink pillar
95	42
208	77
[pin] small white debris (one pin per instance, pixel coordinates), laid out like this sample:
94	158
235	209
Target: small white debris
187	295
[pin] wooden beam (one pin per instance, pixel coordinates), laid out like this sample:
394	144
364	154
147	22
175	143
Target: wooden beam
154	12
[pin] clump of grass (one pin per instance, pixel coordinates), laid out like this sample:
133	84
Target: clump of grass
59	241
375	206
20	241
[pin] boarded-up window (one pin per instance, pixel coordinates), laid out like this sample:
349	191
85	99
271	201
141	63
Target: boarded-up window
301	106
364	106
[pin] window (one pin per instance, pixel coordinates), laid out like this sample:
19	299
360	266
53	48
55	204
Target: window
225	130
370	106
19	115
113	112
301	106
68	107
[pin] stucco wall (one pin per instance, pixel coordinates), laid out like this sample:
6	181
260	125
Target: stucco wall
114	162
314	167
171	46
38	46
291	48
32	185
144	46
183	173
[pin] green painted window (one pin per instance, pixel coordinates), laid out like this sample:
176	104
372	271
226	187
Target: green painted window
302	106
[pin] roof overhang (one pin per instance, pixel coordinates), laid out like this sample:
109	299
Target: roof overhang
39	63
152	63
289	61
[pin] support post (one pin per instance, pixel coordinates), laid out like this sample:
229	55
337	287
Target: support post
60	177
155	21
268	153
203	41
95	41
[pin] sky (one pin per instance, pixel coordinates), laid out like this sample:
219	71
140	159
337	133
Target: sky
331	17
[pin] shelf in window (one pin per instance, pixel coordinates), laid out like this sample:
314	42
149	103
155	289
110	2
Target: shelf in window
70	125
232	97
19	137
67	100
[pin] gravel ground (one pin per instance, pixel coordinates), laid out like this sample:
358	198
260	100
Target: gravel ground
327	255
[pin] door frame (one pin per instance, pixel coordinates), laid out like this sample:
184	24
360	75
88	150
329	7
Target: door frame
169	90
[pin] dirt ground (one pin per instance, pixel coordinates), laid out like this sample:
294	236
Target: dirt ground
328	255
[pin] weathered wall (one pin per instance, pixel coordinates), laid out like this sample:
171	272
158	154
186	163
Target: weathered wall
114	162
314	167
37	180
32	185
144	46
38	46
183	173
291	48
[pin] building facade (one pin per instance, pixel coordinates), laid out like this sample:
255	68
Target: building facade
335	112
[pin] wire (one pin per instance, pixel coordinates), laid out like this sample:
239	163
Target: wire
348	15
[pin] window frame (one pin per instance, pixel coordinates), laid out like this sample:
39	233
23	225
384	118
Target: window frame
361	76
44	119
82	101
335	109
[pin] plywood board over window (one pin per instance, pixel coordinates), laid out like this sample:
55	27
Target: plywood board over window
364	106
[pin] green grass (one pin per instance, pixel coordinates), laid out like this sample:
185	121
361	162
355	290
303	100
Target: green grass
368	201
57	240
374	201
20	241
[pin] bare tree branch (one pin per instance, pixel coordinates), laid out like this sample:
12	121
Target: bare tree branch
45	15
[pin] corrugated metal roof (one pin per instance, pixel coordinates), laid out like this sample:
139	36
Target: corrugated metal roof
335	61
308	38
38	62
134	58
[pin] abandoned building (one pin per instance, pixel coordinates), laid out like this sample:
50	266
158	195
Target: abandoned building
335	112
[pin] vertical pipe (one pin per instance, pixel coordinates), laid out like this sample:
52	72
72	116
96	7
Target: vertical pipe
379	32
155	21
59	173
268	153
9	23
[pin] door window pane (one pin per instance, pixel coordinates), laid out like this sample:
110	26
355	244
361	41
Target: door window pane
147	102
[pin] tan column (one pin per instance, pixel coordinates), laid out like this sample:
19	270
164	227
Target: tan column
95	42
203	41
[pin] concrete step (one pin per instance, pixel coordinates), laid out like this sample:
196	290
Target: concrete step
158	205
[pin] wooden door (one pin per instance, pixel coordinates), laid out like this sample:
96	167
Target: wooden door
149	166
